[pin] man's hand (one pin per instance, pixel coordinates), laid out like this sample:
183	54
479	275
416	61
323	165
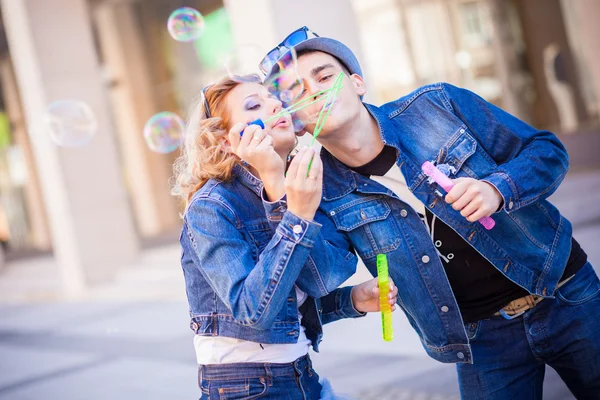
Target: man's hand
474	199
365	297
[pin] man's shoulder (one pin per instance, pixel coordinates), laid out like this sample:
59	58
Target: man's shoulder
403	102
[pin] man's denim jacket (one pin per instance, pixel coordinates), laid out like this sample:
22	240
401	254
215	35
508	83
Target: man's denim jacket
530	243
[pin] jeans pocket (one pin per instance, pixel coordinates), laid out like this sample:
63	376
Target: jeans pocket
472	329
238	389
581	288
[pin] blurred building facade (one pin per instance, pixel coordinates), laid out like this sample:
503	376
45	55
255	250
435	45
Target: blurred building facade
95	207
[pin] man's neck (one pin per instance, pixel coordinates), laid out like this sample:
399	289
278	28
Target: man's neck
358	144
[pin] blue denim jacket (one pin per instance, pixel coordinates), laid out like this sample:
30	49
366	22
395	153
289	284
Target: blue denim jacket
530	243
240	272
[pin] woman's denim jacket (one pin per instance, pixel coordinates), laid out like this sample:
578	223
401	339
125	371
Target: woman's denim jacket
240	269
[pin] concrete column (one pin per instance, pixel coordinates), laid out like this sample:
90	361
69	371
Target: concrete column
90	220
584	35
543	26
133	103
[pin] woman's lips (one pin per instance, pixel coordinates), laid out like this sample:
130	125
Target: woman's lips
281	123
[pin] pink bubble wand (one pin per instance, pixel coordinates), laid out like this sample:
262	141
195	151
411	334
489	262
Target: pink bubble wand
446	183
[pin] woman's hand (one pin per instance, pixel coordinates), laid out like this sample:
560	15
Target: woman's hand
365	297
304	187
256	148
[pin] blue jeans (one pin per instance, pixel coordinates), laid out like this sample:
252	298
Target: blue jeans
510	356
291	381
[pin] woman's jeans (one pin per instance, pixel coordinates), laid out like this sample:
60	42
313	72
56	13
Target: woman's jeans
290	381
510	356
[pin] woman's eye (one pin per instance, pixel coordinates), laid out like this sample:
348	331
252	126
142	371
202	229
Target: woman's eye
252	107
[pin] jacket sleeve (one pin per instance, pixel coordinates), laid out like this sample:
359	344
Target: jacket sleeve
331	260
338	305
254	291
531	163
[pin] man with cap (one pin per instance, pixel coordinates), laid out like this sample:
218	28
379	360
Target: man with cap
501	303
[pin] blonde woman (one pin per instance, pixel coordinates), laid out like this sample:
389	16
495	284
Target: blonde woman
257	297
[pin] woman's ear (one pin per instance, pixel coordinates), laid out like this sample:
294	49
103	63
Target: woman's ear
359	84
226	144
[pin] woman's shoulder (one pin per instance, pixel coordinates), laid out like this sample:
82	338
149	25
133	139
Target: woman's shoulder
217	193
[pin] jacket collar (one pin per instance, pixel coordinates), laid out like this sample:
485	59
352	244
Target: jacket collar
340	180
247	179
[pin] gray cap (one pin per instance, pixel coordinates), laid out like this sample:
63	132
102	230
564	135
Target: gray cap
329	46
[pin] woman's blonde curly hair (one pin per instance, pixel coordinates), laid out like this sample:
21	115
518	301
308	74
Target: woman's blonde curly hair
203	152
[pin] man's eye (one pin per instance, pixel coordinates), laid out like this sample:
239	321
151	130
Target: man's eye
325	78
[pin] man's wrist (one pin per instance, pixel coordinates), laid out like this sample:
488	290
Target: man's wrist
498	196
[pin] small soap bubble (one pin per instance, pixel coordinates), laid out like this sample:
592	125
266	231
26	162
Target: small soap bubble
70	123
286	83
164	132
185	24
243	61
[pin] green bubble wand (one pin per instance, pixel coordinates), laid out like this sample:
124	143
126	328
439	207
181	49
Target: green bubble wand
330	99
384	288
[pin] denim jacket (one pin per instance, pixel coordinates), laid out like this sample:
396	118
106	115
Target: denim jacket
240	272
530	243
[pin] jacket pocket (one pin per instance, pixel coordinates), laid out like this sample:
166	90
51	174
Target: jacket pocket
370	224
465	158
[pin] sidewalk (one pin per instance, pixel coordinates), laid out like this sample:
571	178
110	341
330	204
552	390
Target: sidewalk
131	339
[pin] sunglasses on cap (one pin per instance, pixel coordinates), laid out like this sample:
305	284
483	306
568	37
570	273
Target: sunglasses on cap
293	39
207	113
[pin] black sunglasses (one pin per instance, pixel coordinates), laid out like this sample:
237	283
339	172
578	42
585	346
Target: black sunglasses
293	39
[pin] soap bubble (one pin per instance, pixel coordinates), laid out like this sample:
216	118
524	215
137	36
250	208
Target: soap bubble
70	123
164	132
185	24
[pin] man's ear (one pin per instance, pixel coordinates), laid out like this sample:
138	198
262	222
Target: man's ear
359	84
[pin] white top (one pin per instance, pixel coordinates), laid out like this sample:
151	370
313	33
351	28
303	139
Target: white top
225	350
394	180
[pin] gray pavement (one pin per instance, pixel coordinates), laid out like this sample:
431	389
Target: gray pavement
130	339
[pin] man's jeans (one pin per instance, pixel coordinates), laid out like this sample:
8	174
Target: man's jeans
510	356
290	381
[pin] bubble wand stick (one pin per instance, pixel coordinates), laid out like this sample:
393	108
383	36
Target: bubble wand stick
384	289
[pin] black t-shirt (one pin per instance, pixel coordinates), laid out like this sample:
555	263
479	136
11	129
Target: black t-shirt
480	289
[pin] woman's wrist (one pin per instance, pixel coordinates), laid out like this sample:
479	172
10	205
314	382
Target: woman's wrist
304	214
274	185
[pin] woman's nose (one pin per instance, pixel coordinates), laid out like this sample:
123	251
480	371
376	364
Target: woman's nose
276	106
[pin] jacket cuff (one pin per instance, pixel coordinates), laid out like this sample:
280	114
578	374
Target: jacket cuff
274	209
299	230
507	189
343	304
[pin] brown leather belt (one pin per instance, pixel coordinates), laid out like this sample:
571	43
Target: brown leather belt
517	307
